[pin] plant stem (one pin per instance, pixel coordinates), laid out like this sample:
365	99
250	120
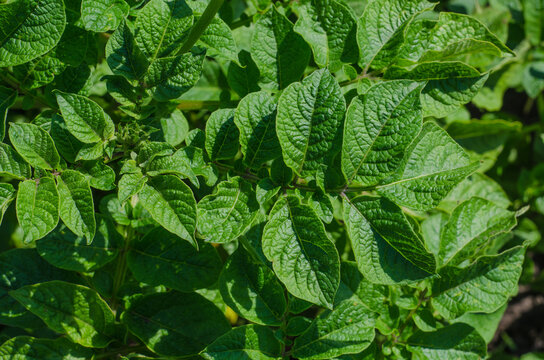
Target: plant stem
121	269
411	314
255	179
201	25
120	351
206	104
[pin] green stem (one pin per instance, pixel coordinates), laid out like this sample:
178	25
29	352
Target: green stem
200	105
201	25
121	268
121	351
411	314
255	179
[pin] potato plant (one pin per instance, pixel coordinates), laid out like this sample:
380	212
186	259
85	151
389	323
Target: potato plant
251	179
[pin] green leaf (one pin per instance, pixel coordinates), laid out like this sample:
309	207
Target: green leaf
378	229
348	329
432	70
7	195
151	150
533	14
66	143
255	117
251	289
248	342
310	122
29	348
160	258
70	309
84	118
302	255
379	127
471	225
330	28
228	213
12	164
178	164
433	165
103	15
68	251
76	204
175	324
130	185
457	341
162	26
7	99
37	208
34	144
174	127
243	78
381	29
29	28
222	135
123	55
281	55
168	78
171	203
20	267
533	78
483	286
441	97
100	175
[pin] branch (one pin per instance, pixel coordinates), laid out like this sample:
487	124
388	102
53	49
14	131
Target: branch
201	25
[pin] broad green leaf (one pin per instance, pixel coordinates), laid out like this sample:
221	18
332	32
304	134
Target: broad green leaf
68	251
255	117
170	77
29	348
7	195
379	127
433	165
354	287
471	225
70	309
66	143
243	79
533	78
12	164
100	175
76	204
162	26
123	55
281	55
533	14
103	15
302	255
228	213
7	99
483	286
175	324
84	118
161	258
39	72
348	329
20	267
90	152
485	324
178	164
330	28
378	229
171	203
248	342
29	28
222	135
151	150
475	185
447	42
432	70
457	341
34	144
381	29
310	121
441	97
37	207
174	127
130	185
251	289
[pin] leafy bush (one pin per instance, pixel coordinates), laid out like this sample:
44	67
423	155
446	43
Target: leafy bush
252	180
